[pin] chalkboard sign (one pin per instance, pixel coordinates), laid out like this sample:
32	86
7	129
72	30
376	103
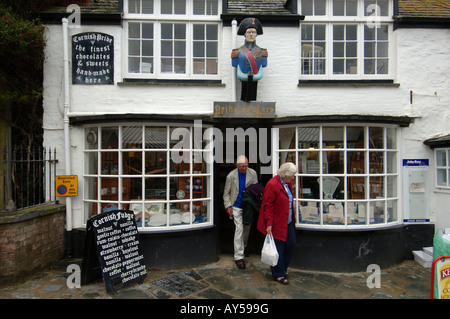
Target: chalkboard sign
112	250
92	58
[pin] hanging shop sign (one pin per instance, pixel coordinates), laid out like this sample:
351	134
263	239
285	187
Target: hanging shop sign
112	250
92	58
244	109
66	185
416	190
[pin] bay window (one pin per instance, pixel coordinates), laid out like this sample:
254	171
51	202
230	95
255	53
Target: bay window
158	172
174	39
348	175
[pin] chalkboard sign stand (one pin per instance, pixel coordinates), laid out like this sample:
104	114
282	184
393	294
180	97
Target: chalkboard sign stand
112	251
90	267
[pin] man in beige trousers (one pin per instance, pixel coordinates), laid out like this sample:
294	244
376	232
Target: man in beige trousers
237	180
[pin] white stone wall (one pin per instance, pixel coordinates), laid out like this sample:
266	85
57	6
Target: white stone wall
422	66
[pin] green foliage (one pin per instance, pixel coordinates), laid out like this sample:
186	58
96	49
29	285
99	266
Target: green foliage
21	57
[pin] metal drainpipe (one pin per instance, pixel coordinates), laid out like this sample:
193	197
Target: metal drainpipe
65	27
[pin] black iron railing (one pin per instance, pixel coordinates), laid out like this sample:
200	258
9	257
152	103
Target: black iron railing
28	177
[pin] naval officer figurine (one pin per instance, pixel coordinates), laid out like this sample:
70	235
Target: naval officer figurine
249	59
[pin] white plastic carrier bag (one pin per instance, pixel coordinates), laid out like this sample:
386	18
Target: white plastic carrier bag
269	253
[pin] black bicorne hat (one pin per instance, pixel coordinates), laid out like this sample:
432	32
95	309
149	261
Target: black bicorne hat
250	23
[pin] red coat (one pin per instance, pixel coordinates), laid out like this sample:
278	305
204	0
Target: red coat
275	209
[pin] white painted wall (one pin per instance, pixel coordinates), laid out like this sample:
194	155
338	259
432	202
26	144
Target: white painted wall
423	67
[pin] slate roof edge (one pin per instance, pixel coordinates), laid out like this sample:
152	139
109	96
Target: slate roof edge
415	21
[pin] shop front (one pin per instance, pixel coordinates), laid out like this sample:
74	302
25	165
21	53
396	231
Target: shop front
171	174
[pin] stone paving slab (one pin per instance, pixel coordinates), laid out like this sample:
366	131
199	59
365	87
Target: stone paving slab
222	280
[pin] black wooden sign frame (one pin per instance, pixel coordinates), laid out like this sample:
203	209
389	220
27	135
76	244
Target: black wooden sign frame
92	58
113	251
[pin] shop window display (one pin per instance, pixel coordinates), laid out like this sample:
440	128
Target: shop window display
152	170
347	175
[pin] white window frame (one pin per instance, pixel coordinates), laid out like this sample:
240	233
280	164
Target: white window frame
157	19
360	20
192	148
386	200
440	167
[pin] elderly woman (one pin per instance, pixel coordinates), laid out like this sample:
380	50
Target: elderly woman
277	218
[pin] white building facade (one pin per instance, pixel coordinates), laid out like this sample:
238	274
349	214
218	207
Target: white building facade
356	92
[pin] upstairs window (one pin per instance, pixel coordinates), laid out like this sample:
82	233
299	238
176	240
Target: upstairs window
442	156
346	39
173	39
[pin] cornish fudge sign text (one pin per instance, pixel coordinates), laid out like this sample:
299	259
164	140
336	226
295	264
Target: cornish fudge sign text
92	58
112	250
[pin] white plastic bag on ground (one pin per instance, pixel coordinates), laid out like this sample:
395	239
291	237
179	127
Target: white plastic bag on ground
269	253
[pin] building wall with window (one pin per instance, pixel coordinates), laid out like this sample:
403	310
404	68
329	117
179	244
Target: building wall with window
354	97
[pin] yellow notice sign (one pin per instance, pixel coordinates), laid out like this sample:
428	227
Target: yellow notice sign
66	185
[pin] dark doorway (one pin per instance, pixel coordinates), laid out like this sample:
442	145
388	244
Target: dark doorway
222	169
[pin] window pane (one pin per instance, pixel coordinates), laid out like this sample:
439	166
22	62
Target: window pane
392	211
134	6
319	7
133	65
441	177
212	66
180	31
134	48
108	190
91	164
383	32
355	134
308	137
147	48
180	6
109	137
391	138
382	66
335	162
134	30
376	137
338	66
199	49
392	186
339	7
166	7
369	49
199	7
180	48
391	162
307	32
147	6
166	48
351	7
350	33
211	32
338	32
211	49
369	66
166	31
333	137
199	32
147	30
382	49
441	157
132	137
205	7
350	49
307	7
